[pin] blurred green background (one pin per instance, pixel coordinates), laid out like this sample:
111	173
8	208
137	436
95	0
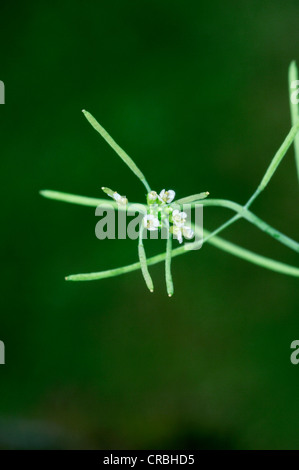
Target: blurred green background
197	94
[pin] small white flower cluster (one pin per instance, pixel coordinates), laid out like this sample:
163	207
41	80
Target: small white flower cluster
179	229
160	210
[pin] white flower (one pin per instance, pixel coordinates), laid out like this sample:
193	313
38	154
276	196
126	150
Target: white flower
151	222
117	197
179	218
120	199
167	196
152	197
188	232
179	232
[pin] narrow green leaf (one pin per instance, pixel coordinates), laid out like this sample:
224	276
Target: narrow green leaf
168	276
275	162
279	155
80	200
120	152
143	263
193	198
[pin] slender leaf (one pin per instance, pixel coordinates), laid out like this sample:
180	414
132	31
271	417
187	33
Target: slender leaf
81	200
120	152
168	276
275	162
193	198
143	262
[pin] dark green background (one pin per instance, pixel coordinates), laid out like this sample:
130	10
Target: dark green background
196	92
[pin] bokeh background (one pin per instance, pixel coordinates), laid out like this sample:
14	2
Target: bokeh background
196	92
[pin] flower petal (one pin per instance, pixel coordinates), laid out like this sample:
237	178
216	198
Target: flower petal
170	195
188	232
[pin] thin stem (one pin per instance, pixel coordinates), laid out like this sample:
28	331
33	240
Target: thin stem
279	156
294	108
120	152
198	244
215	241
168	276
256	193
254	257
223	226
284	239
252	218
143	262
275	162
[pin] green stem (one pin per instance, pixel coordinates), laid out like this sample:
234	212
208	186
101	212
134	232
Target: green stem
294	108
223	226
252	218
120	152
275	162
